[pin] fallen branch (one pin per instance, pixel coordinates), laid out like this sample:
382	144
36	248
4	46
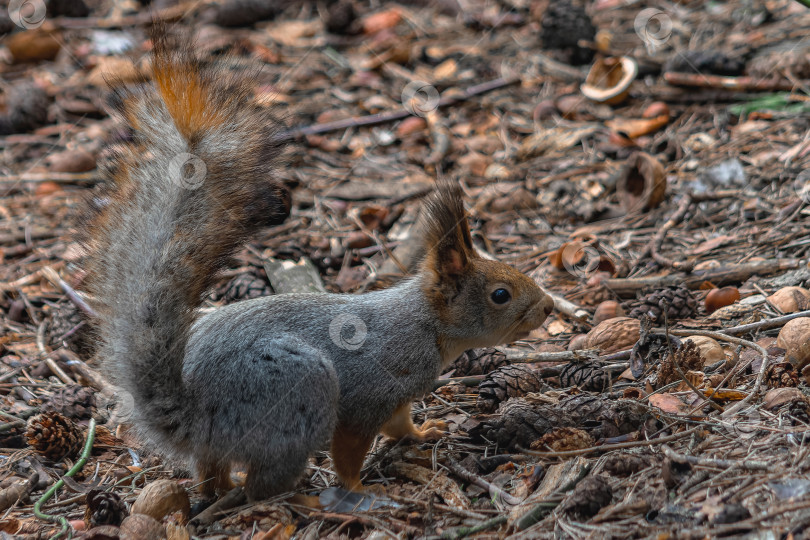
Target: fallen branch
749	465
393	116
735	273
731	83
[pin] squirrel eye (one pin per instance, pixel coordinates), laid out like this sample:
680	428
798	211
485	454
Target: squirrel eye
501	296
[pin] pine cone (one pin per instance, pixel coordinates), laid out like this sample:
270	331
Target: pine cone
679	302
565	24
589	377
478	362
781	374
625	463
506	382
104	508
69	326
54	436
588	497
244	287
519	423
688	358
73	401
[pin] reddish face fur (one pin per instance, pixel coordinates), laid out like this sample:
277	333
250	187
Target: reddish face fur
461	286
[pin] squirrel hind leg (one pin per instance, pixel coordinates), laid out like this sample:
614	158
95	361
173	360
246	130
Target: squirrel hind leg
215	477
265	479
348	451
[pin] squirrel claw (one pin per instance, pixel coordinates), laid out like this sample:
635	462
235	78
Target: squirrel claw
431	430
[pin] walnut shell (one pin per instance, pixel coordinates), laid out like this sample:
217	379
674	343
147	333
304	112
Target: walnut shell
609	309
617	334
641	184
791	299
141	527
710	350
160	498
795	339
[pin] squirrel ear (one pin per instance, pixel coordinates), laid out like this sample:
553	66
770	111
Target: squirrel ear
448	242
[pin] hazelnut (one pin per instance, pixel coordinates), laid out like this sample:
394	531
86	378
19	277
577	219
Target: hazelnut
614	335
609	80
795	339
718	298
791	299
710	350
160	498
609	309
577	343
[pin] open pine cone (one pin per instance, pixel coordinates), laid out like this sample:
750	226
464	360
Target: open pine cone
585	376
678	302
54	436
104	508
478	362
507	382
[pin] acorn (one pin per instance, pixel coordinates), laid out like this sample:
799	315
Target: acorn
718	298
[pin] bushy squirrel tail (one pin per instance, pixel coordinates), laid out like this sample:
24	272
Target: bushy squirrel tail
193	184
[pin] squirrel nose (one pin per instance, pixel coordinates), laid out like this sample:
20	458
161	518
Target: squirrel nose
548	309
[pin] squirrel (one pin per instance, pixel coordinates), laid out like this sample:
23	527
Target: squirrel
265	383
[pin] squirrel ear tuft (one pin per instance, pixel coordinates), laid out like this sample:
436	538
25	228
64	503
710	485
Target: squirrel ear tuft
448	243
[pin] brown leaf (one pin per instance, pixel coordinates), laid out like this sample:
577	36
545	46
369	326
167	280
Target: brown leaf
636	127
669	404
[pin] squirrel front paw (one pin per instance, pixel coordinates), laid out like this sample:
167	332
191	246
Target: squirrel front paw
431	430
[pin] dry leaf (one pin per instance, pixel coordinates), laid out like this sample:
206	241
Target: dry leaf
669	403
636	127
